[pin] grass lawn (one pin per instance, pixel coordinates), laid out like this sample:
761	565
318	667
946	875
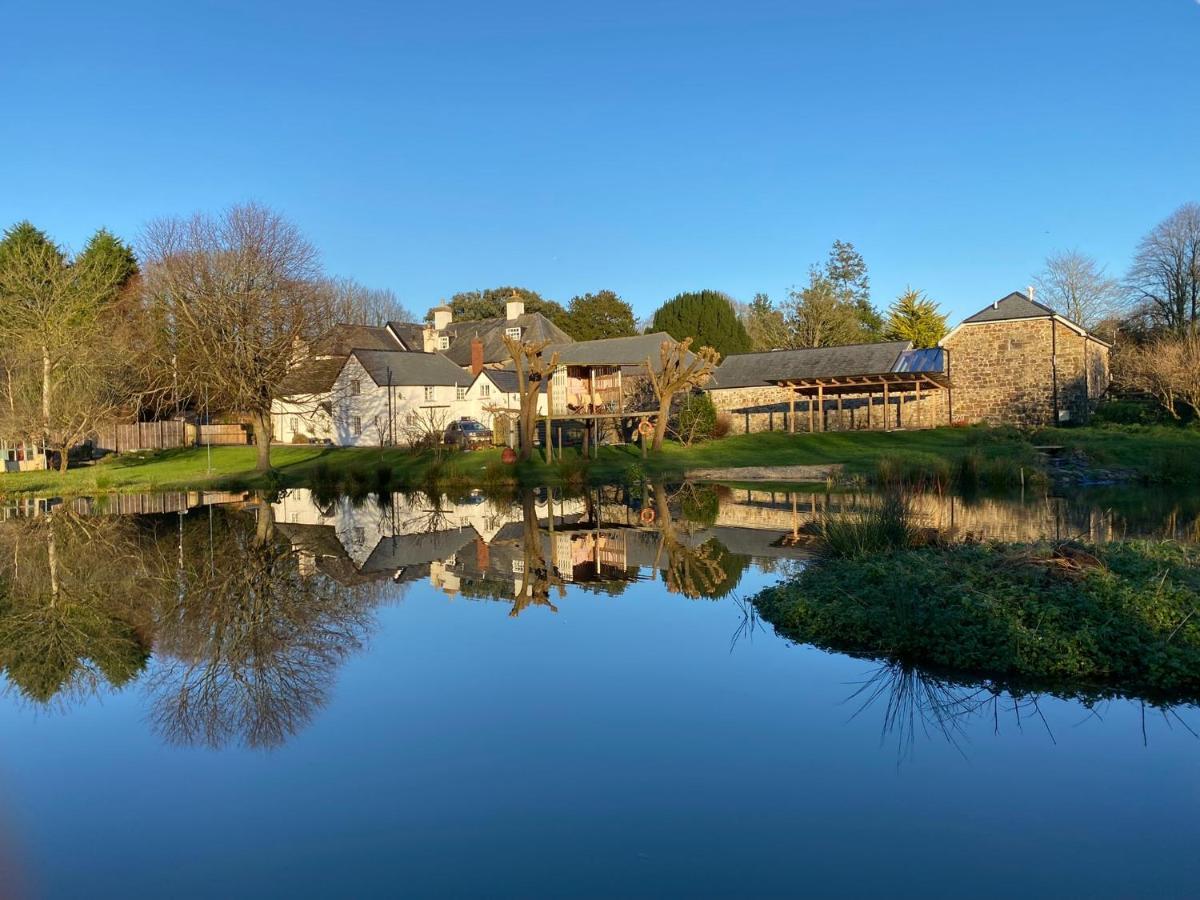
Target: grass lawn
1154	453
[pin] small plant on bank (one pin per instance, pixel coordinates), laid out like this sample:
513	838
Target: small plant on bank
880	529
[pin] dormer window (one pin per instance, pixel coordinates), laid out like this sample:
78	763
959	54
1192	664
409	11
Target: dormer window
514	332
444	342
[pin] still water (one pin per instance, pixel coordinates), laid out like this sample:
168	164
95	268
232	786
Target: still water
228	695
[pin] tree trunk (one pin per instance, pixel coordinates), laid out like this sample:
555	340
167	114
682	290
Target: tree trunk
660	426
62	461
45	397
262	440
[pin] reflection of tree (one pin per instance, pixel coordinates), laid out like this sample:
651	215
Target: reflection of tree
694	571
539	577
250	643
67	620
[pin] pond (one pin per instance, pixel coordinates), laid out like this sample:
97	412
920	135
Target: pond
236	695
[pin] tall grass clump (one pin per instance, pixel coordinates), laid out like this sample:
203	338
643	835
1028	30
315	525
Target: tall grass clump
880	529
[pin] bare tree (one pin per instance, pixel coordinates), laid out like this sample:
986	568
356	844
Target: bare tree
679	370
532	370
238	294
1167	368
1075	285
1164	280
357	304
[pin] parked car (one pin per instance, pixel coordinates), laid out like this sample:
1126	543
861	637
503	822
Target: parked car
468	434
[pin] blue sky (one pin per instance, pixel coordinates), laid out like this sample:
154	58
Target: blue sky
646	147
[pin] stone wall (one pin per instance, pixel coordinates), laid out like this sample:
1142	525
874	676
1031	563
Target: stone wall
1007	372
755	409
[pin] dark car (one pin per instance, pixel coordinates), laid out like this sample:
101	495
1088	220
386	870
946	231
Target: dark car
468	434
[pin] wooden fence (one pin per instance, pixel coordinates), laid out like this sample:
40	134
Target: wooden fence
141	436
126	438
222	435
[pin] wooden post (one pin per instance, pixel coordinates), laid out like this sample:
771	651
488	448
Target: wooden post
887	409
841	426
870	403
791	409
811	420
920	417
821	405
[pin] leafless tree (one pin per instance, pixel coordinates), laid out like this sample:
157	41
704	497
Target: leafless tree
357	304
679	370
1167	368
1075	285
238	294
533	368
1164	280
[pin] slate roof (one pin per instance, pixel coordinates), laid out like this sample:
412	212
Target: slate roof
341	339
1015	306
312	376
392	553
411	334
534	327
759	369
505	380
409	368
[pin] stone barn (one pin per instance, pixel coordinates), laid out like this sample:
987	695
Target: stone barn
1017	362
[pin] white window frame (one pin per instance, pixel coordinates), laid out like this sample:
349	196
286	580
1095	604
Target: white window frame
356	425
355	387
514	332
460	392
485	391
430	393
444	342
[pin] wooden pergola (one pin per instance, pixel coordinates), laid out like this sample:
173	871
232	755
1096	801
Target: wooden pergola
901	385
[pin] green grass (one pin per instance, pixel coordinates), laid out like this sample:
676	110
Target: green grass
936	458
1124	624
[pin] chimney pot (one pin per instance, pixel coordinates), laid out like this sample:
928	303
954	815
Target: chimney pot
476	356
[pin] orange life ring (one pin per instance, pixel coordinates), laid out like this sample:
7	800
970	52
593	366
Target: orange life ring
644	427
646	515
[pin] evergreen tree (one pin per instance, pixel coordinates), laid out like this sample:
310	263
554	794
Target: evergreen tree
107	253
914	317
706	316
846	272
600	315
489	303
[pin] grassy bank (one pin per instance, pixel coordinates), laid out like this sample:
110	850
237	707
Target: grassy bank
1084	622
940	458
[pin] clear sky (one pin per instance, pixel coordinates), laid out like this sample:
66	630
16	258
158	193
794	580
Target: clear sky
647	147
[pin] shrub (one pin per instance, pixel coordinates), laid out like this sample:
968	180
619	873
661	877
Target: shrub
696	419
723	425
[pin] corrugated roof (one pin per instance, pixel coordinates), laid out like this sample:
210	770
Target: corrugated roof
1015	306
757	369
534	327
312	376
622	351
410	368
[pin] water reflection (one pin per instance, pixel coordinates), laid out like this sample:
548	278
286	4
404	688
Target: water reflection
234	612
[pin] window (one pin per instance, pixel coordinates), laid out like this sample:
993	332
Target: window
444	342
514	333
429	393
518	566
412	419
295	424
360	536
485	390
355	387
356	425
461	392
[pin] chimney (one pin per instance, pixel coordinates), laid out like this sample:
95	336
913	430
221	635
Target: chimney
476	356
514	308
442	316
1031	292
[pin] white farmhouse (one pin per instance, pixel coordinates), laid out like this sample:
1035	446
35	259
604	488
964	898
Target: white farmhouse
383	397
